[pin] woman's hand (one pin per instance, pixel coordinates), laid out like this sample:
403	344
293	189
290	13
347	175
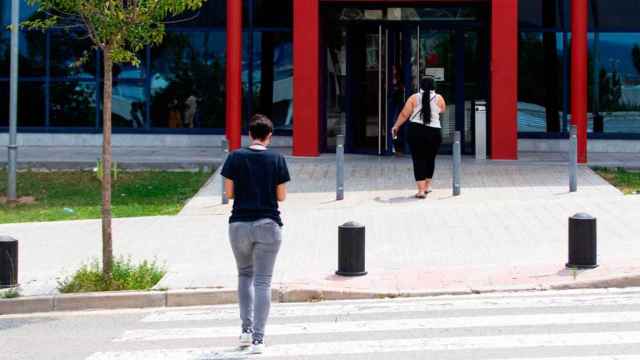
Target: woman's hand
394	131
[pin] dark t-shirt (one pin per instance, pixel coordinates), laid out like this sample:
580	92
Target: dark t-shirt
256	174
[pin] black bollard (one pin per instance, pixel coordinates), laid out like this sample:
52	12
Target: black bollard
583	241
351	248
8	262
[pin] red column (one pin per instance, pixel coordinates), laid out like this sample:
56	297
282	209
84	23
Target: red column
234	74
306	76
504	80
579	59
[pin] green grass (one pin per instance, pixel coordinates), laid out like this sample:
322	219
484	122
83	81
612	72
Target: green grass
126	276
9	294
75	195
625	180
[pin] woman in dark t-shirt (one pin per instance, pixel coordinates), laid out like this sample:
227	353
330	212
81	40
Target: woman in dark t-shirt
255	177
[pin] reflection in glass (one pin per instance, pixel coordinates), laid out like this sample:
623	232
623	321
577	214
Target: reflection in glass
540	82
32	53
73	104
614	85
187	81
128	105
273	77
72	55
336	84
31	104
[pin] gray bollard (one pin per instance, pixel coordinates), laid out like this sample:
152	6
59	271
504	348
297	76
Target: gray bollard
340	167
583	240
8	262
351	250
457	163
573	159
224	144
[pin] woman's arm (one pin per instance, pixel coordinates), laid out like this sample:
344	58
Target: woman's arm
281	192
228	188
442	104
404	114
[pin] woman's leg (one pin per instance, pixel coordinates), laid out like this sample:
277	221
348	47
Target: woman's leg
434	142
268	238
242	246
418	155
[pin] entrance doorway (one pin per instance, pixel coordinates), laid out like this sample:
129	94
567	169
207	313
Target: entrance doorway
374	62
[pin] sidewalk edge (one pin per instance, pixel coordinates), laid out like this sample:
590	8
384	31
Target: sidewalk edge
282	294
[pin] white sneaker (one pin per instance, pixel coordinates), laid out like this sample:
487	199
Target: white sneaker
258	347
245	339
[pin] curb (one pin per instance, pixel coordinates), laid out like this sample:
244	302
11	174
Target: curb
207	297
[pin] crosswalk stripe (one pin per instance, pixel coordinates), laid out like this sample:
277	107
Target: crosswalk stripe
392	346
394	306
387	325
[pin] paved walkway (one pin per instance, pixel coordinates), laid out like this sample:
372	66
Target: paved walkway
508	228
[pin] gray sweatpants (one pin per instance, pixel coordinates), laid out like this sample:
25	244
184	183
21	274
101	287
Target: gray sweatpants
255	246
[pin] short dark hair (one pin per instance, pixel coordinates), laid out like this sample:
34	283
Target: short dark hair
260	127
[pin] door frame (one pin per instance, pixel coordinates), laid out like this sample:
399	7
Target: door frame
458	30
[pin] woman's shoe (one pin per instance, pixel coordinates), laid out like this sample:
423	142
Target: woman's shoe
420	196
245	338
258	347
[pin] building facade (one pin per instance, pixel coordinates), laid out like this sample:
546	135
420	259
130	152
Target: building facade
320	68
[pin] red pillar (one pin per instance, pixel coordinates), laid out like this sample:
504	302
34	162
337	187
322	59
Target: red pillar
306	77
234	74
579	59
504	80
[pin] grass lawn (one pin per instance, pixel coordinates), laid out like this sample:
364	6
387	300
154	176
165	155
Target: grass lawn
627	181
74	195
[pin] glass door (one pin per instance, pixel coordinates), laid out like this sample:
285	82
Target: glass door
367	123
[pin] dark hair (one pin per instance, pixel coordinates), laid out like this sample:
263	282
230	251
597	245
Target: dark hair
427	85
260	127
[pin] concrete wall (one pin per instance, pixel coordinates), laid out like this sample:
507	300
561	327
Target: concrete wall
562	145
129	140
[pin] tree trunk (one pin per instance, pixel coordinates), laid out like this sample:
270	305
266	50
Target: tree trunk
107	241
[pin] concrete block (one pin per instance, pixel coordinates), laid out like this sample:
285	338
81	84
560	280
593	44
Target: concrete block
201	297
108	300
26	305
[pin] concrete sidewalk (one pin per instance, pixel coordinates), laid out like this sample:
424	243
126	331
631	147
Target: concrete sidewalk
512	215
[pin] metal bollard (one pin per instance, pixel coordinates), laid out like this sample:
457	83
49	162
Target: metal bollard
8	262
351	250
340	167
582	242
224	144
573	159
457	163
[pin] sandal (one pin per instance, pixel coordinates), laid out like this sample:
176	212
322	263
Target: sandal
420	196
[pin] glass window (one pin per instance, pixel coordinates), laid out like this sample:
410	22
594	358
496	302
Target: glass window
31	103
615	15
540	13
540	82
213	13
72	104
32	53
128	104
273	77
614	82
187	81
26	11
72	55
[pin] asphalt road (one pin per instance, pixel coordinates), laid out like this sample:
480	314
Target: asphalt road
584	325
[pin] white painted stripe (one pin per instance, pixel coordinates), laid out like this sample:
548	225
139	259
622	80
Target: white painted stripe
289	311
387	325
396	346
